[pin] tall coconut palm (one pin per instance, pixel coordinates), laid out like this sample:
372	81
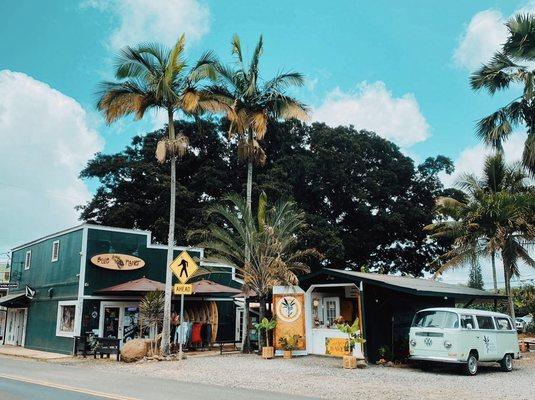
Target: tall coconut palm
152	76
511	65
248	103
495	219
271	238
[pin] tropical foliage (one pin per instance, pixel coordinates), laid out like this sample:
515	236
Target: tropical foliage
496	218
270	237
151	311
266	325
353	333
289	342
365	209
512	65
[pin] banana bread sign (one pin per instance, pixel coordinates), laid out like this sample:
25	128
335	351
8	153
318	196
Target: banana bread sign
120	262
290	314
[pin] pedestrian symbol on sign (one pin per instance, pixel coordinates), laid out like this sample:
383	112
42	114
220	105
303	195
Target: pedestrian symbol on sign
184	267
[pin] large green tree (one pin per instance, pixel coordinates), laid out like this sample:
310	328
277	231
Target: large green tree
365	203
151	76
510	67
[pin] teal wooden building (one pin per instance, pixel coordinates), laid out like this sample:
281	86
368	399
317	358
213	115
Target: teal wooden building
62	293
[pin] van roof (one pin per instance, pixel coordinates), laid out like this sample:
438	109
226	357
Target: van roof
467	311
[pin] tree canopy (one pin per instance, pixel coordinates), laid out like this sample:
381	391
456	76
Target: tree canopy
365	203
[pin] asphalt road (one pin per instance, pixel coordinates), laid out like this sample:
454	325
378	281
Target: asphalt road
22	379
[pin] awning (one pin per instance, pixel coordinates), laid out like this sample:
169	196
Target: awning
15	300
143	285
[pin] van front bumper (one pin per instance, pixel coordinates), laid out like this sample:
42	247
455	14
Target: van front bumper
436	359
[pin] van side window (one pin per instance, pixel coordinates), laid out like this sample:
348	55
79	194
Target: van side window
467	322
503	324
485	322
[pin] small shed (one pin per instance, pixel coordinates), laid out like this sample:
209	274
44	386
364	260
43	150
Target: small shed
385	304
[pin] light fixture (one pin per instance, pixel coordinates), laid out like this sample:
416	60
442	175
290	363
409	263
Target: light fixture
315	303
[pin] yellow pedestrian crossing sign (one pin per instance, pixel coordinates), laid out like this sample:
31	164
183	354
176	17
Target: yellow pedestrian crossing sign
184	267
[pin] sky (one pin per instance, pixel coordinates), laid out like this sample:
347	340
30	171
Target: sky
398	68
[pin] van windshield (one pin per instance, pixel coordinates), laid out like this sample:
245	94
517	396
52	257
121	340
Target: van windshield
436	319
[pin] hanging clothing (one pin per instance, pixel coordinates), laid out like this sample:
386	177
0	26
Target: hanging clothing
196	337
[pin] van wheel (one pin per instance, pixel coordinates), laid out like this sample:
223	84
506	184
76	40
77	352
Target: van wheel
471	366
506	363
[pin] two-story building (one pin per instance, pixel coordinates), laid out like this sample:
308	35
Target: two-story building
66	287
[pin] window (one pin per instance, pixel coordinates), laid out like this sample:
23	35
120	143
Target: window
503	324
66	318
467	322
28	260
436	319
331	308
485	322
55	251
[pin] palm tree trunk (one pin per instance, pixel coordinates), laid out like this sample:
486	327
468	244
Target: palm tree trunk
494	279
245	328
166	326
510	304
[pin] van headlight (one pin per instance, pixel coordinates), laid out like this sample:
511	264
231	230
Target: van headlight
412	342
447	344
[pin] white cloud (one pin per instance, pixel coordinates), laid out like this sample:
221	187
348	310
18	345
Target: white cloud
154	20
471	159
483	36
46	140
373	107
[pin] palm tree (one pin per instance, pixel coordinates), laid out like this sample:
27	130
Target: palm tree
151	76
512	65
151	310
248	104
271	238
497	218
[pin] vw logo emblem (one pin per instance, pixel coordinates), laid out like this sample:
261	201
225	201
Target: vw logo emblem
428	341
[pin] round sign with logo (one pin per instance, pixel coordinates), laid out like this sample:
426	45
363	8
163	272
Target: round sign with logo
288	309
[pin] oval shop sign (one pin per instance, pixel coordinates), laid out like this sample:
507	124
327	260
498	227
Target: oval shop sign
121	262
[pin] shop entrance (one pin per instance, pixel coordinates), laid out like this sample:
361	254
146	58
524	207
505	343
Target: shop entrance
119	320
16	326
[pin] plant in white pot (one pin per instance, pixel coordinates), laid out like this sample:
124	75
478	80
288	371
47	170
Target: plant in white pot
267	325
354	337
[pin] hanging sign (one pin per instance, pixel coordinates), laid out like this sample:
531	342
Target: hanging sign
181	288
184	267
30	292
119	262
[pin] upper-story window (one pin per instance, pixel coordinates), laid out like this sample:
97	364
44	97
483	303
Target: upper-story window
55	250
28	260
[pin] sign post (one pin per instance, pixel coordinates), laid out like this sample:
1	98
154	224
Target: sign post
184	267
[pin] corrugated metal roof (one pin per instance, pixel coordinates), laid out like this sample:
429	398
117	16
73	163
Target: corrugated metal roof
419	286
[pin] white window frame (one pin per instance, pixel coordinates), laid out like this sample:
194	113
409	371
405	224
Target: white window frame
55	244
62	304
28	260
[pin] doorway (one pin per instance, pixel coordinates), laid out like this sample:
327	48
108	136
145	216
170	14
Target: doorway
119	320
16	326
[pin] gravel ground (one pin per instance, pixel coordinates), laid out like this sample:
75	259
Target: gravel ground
324	378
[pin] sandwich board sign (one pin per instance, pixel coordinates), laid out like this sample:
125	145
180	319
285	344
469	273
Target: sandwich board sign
184	267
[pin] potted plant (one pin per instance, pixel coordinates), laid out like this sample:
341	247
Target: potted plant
353	337
384	354
267	325
288	344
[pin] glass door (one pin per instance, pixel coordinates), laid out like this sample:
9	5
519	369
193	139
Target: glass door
111	322
130	326
331	309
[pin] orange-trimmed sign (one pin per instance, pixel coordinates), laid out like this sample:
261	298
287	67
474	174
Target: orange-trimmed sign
289	310
336	347
121	262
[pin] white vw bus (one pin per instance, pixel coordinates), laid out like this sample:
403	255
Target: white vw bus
463	336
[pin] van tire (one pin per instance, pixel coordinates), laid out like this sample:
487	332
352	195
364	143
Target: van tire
471	366
506	363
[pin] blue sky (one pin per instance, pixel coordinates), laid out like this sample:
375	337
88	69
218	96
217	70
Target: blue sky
398	67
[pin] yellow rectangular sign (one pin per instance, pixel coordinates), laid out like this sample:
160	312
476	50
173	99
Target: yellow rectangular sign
181	288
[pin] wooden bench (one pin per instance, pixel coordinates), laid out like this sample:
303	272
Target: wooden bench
81	345
228	346
107	346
